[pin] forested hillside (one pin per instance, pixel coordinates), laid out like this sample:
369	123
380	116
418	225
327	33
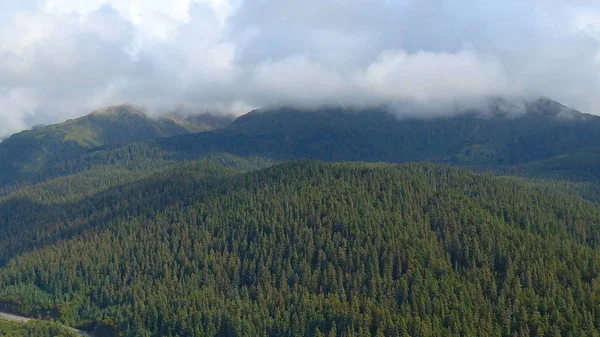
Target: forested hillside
306	248
178	236
543	130
294	168
57	209
27	155
33	329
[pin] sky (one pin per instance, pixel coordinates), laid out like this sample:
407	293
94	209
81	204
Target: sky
61	59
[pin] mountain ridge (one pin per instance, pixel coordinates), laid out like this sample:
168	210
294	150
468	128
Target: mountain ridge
377	135
500	140
24	154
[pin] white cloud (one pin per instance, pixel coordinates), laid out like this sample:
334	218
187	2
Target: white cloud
426	76
62	58
20	103
155	18
296	80
32	28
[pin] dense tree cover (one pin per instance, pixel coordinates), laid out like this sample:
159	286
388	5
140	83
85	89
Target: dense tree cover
135	239
580	165
65	189
307	248
587	190
35	216
34	329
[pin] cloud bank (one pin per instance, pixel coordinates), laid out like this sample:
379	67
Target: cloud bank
63	58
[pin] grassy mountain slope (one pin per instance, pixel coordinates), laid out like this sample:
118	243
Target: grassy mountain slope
305	248
24	155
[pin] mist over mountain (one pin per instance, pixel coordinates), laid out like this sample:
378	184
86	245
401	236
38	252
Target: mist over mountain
494	136
60	59
501	136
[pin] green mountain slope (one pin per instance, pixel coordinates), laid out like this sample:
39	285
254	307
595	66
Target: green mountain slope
537	143
24	155
547	141
578	165
307	248
35	216
545	130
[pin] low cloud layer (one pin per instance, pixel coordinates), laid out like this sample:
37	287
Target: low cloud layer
63	58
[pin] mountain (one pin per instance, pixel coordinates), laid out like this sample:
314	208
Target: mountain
308	249
205	122
535	140
25	154
135	233
546	129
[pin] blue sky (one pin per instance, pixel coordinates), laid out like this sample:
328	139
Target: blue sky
63	58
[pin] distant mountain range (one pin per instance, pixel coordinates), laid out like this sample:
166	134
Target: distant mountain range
546	135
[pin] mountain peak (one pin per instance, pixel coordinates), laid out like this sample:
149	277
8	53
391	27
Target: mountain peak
35	149
120	109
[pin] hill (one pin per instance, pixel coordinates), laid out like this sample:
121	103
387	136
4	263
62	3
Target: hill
545	130
24	155
307	248
537	142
